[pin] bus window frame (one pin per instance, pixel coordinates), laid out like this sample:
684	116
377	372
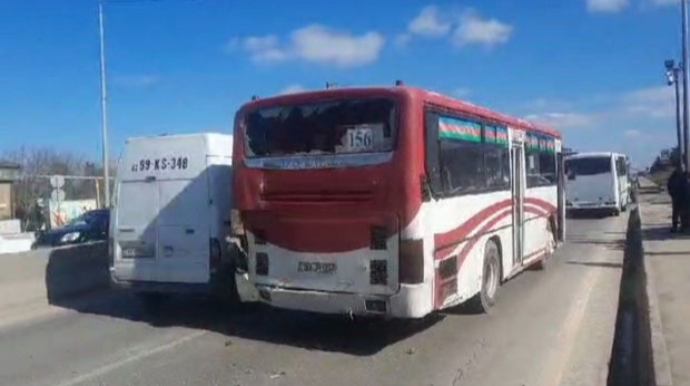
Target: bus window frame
433	160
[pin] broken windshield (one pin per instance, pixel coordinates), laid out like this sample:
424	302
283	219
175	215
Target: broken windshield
333	127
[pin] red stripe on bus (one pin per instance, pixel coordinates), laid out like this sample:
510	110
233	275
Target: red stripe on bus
443	239
469	245
549	207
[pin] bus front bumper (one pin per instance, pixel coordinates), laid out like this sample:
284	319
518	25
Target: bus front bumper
584	206
410	302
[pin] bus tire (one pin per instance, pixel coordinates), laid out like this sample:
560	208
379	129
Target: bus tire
491	279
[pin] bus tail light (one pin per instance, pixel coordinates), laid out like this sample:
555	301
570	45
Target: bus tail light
411	261
378	272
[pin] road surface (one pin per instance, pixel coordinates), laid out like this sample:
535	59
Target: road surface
549	327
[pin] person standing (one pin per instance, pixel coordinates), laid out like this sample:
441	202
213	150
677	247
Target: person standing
677	187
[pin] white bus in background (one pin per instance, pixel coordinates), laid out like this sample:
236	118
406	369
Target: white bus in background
170	219
597	181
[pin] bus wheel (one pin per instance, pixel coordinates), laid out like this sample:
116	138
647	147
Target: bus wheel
491	279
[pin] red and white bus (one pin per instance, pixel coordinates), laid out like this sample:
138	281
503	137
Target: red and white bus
389	201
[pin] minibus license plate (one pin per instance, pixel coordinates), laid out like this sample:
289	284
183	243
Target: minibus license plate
317	267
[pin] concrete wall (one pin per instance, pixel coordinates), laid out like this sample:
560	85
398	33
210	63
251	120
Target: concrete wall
15	243
10	227
52	276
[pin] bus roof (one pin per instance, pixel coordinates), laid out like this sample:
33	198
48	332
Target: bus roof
429	97
213	143
597	154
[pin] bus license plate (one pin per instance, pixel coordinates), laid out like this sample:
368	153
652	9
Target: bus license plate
317	267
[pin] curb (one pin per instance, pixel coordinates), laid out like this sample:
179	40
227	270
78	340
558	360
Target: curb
660	356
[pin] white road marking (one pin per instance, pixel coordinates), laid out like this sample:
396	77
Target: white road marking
131	356
556	365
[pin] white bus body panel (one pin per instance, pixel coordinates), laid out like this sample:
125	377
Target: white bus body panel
173	195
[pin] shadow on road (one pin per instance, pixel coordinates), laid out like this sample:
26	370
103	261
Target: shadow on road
361	337
591	214
618	244
661	233
601	264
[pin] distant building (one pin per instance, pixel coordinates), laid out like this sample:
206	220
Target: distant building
8	174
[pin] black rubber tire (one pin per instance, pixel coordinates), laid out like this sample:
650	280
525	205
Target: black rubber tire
491	279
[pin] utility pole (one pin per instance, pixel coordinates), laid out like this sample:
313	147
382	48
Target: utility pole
686	73
679	130
104	108
673	74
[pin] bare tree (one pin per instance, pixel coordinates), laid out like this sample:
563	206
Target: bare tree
36	163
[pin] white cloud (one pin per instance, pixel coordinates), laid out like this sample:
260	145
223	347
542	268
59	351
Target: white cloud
314	43
293	88
607	6
653	102
324	45
473	29
260	48
136	81
429	23
562	120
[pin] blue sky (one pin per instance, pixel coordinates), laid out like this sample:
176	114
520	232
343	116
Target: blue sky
592	68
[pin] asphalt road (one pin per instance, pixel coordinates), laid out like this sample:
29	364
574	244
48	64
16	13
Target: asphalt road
550	327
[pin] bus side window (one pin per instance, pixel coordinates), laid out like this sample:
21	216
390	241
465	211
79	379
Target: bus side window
463	167
496	161
496	157
432	150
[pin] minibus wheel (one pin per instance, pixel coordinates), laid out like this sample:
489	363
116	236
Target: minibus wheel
491	279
